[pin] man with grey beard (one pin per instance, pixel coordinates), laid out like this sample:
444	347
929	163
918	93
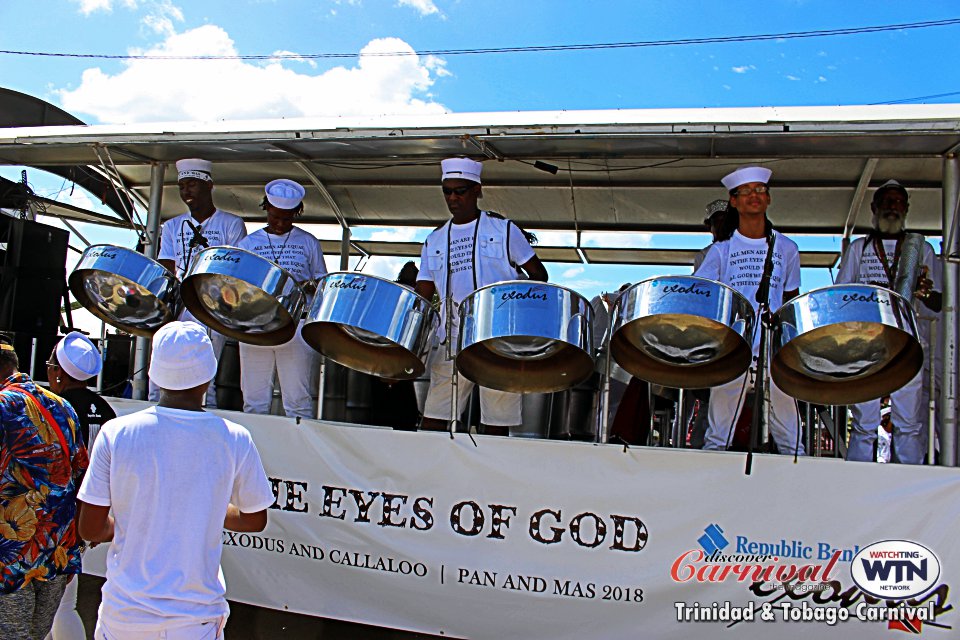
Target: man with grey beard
874	259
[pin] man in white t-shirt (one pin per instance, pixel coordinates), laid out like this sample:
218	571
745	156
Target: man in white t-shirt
738	260
296	362
183	237
875	259
175	477
473	249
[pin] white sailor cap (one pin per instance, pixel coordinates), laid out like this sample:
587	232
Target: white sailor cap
182	356
462	169
284	193
715	208
78	357
194	168
891	184
746	175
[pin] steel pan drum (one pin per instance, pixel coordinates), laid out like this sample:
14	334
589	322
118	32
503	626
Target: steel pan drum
371	325
125	289
243	296
525	337
683	331
845	344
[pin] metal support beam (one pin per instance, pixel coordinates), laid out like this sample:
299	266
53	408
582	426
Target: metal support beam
325	193
857	201
150	249
345	249
949	376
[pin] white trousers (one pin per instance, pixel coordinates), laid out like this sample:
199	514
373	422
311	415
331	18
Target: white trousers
722	415
497	408
907	418
207	630
67	623
298	367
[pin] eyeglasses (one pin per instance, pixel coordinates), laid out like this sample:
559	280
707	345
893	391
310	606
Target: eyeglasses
457	191
53	364
745	191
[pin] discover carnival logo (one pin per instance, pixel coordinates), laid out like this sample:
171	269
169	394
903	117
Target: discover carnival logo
895	569
755	561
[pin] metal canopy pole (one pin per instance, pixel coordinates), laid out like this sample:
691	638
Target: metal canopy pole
150	249
948	381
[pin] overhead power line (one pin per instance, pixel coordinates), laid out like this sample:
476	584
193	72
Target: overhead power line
791	35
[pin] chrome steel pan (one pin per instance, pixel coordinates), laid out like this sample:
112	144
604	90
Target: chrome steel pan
525	336
372	325
125	289
683	331
845	344
243	296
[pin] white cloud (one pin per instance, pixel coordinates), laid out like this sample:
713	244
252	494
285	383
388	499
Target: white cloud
572	272
743	69
293	56
403	234
821	79
90	6
620	240
210	90
794	78
161	17
424	7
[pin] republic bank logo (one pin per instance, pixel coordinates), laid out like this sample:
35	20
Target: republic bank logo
712	540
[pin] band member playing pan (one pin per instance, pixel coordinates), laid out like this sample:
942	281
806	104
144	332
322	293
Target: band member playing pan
202	226
738	260
875	259
296	362
473	249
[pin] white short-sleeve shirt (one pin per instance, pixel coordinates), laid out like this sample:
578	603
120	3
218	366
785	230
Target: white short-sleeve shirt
222	228
168	475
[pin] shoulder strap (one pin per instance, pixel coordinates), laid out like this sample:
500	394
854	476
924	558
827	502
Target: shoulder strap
47	417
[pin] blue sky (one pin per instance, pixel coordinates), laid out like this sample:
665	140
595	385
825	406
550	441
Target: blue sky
887	66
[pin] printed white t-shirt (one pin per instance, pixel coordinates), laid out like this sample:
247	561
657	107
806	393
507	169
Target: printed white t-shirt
862	264
739	261
462	252
298	252
220	229
168	474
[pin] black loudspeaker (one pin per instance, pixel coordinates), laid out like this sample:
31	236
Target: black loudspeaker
118	363
33	259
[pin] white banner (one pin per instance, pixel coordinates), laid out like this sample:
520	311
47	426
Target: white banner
541	539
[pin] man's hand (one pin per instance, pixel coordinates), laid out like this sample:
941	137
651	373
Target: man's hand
925	293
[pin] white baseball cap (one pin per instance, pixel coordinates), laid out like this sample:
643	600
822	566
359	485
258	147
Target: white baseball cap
182	356
461	168
78	356
745	175
284	194
195	168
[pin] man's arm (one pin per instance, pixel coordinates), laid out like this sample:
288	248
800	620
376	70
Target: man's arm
790	295
535	269
169	265
237	520
94	524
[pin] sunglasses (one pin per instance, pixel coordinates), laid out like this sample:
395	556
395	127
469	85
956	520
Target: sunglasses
456	191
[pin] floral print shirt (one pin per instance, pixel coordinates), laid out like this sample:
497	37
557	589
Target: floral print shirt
38	485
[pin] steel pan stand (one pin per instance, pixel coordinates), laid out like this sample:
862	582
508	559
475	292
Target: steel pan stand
760	420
